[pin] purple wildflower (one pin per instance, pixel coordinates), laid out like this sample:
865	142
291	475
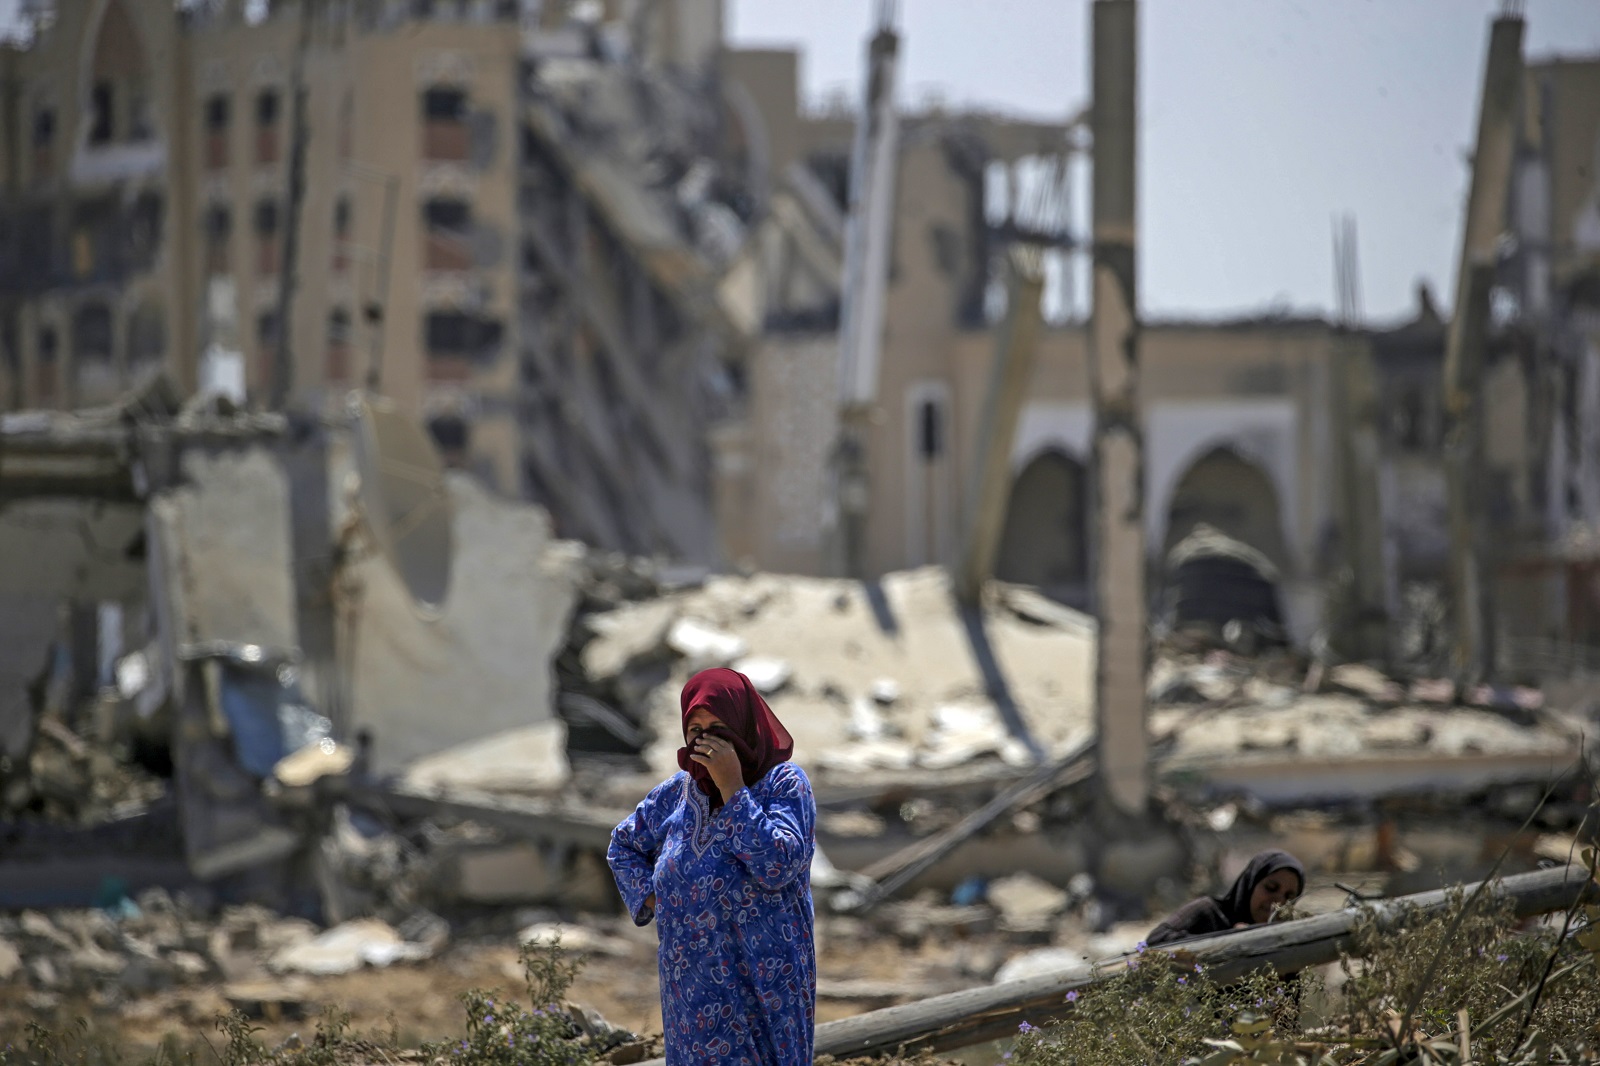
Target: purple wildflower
1026	1028
1140	946
1072	997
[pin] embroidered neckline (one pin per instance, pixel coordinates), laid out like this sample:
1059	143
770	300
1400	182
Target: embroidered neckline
700	832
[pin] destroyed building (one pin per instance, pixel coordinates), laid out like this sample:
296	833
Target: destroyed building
1242	418
601	254
484	231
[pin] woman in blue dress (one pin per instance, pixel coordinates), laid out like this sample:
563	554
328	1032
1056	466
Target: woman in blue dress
720	855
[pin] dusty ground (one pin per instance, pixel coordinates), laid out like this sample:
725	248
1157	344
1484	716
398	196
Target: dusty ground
421	1001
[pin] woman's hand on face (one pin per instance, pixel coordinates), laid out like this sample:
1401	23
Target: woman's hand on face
716	754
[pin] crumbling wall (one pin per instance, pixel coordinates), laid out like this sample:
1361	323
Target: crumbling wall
796	422
471	691
226	551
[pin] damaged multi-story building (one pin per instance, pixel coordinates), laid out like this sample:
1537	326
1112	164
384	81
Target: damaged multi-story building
602	256
502	215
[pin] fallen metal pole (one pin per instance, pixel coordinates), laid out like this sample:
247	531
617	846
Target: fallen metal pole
894	871
961	1019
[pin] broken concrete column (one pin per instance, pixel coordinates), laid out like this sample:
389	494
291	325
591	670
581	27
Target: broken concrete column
1118	528
1471	578
1002	408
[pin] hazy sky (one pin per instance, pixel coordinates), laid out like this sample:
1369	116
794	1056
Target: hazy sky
1261	119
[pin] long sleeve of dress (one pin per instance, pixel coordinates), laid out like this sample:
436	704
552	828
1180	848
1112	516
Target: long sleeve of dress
634	846
772	837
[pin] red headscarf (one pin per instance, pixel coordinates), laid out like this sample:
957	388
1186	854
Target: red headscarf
748	723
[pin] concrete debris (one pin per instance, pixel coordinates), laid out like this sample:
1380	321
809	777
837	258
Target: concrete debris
157	943
961	733
836	637
305	766
1026	903
347	947
530	759
1037	962
702	645
572	937
866	720
767	673
69	781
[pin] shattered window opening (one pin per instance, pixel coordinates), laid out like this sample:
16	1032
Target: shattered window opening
267	127
44	127
451	434
218	114
338	361
267	329
267	107
100	113
449	225
219	231
266	223
444	104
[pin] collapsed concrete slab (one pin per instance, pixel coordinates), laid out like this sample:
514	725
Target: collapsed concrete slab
891	677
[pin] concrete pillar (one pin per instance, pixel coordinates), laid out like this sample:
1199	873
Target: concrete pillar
868	238
985	510
1118	527
1471	576
1365	609
1368	611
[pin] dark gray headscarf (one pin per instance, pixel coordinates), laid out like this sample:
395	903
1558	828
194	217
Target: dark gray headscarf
1235	903
1218	914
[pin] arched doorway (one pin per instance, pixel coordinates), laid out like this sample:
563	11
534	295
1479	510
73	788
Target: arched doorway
1233	495
1045	539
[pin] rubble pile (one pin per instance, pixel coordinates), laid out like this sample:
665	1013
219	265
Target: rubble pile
159	943
889	677
70	780
1224	712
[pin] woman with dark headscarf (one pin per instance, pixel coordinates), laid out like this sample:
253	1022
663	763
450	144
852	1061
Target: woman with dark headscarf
720	855
1270	880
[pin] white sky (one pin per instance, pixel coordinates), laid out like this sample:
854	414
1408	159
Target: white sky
1261	120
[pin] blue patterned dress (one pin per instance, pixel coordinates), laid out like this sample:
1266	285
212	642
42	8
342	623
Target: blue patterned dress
733	910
